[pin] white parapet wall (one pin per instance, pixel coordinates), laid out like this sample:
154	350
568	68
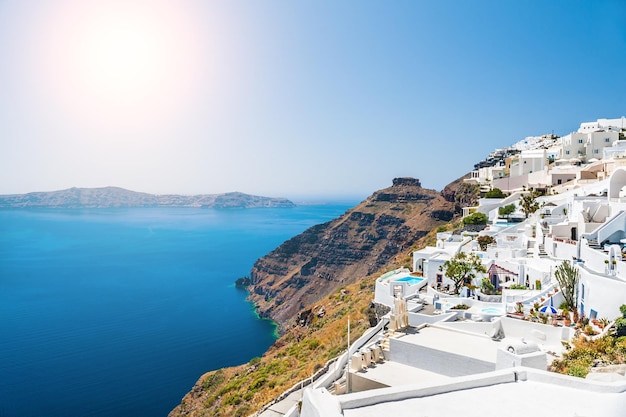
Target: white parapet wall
320	403
547	336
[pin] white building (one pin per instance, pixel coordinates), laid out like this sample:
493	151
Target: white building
587	145
528	162
603	124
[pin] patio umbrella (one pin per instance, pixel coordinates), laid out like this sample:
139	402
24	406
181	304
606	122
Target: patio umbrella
548	309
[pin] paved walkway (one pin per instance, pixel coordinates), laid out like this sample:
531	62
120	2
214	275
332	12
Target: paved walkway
280	408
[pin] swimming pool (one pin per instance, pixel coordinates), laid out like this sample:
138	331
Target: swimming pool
492	310
410	280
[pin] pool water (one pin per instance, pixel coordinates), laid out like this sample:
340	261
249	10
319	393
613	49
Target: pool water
410	280
492	310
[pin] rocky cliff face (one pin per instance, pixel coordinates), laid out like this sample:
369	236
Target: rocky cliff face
307	281
359	243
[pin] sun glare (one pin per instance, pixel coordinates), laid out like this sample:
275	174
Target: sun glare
122	63
123	57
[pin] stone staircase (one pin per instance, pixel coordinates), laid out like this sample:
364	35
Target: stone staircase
593	244
542	251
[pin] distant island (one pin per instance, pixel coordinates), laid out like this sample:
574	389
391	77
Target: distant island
111	197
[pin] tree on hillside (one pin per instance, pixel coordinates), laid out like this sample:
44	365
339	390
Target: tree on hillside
567	275
461	268
529	203
507	210
475	218
495	193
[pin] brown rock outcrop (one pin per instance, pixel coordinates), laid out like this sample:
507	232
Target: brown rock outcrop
365	239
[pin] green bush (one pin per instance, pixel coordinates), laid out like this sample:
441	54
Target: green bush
578	370
620	327
487	287
495	193
475	219
214	379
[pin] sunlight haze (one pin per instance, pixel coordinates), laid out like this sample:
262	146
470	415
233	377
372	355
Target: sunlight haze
292	99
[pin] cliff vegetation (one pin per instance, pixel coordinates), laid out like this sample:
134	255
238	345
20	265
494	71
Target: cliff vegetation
329	272
364	240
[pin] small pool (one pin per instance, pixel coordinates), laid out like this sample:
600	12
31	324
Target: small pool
492	310
410	280
504	225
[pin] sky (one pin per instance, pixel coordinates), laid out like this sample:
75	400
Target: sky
292	99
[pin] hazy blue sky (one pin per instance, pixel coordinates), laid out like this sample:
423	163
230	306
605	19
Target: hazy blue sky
292	98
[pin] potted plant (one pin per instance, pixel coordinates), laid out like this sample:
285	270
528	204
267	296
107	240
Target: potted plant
567	319
603	322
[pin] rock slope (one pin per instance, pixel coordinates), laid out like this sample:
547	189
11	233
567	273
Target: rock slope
108	197
318	265
361	242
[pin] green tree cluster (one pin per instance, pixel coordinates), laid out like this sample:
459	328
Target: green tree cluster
507	210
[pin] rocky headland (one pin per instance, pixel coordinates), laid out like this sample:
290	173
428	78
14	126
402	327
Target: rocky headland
312	282
110	197
359	243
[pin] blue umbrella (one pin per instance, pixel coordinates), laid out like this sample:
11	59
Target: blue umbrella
548	309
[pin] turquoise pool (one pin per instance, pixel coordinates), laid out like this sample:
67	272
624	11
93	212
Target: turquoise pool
410	280
492	310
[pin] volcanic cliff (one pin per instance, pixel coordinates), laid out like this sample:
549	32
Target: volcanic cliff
305	285
359	243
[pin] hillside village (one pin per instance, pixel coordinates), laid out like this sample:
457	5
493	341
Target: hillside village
486	315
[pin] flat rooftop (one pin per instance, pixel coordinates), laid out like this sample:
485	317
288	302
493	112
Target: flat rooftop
393	374
453	341
515	399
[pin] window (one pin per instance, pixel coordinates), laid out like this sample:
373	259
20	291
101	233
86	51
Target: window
580	141
607	140
596	151
582	292
566	152
439	278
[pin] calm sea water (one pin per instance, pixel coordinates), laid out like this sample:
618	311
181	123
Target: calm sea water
117	312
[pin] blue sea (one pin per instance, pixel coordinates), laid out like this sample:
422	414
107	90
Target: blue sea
117	312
